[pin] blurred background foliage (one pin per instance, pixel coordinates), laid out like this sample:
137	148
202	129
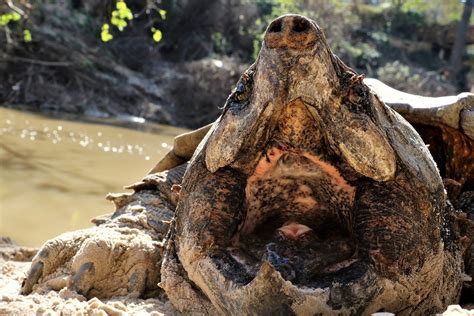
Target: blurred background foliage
165	59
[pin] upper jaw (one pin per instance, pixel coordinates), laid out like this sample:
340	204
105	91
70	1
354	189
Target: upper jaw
291	32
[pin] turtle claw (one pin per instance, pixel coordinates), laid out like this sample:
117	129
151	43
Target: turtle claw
137	283
36	271
81	281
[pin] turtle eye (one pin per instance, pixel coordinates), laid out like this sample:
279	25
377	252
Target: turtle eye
357	99
239	99
240	87
235	107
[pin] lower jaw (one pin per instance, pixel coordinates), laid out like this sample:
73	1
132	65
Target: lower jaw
309	260
346	291
355	289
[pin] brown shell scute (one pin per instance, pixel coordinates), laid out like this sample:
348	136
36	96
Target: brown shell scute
446	124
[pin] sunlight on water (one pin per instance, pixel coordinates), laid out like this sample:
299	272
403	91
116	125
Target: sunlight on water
55	173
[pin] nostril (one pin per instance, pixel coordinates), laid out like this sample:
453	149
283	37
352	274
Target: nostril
300	25
275	27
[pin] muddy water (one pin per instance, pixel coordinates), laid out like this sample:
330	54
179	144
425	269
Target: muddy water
54	174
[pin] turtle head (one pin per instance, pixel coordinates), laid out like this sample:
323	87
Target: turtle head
297	79
294	62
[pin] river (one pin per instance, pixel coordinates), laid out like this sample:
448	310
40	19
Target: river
55	173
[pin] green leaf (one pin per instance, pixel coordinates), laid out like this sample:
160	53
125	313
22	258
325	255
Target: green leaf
115	21
27	36
157	35
121	25
121	5
123	13
15	16
5	19
106	36
162	14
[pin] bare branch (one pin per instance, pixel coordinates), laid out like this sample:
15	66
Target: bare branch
36	62
15	8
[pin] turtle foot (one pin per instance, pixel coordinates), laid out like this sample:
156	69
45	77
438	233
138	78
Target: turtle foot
101	261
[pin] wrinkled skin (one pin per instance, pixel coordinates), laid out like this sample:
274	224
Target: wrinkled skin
308	195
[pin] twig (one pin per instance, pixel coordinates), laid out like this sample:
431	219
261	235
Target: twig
15	8
37	62
87	78
8	35
28	83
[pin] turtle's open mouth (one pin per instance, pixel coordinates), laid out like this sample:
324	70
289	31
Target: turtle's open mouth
298	208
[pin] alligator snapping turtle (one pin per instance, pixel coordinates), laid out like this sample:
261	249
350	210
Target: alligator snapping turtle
308	195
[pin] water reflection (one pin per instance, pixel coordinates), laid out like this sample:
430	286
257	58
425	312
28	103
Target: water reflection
55	173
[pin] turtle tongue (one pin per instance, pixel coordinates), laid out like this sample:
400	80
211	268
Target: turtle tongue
293	230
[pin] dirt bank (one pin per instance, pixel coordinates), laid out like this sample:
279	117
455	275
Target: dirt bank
67	69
